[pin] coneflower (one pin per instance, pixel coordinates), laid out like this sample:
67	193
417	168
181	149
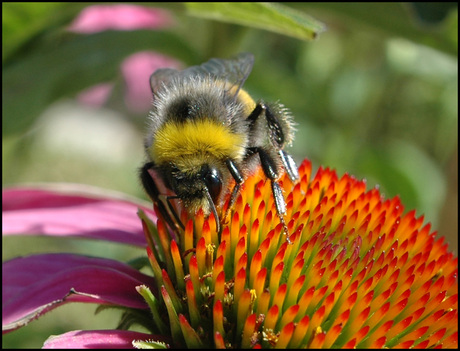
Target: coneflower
358	273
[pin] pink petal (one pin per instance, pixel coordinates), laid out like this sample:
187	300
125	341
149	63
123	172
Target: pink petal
136	70
97	339
34	285
72	211
95	96
98	18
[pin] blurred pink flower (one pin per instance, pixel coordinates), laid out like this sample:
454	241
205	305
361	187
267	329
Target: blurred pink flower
98	18
96	95
136	70
36	284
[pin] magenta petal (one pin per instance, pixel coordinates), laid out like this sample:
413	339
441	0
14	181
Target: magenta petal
97	339
34	285
72	211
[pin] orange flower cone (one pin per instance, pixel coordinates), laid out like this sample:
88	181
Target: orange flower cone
359	272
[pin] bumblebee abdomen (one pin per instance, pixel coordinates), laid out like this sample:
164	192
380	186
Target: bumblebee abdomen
244	99
196	138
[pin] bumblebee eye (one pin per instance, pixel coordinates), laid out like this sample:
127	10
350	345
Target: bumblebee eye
213	181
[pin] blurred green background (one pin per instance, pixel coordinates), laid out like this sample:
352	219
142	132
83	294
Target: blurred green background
375	94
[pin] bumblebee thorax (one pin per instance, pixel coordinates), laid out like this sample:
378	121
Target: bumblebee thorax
196	138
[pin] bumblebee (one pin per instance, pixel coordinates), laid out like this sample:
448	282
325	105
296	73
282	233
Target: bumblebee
206	135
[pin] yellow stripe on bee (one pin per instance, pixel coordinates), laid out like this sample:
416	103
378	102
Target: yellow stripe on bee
245	99
196	138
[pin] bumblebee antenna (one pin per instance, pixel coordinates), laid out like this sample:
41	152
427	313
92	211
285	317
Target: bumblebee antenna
213	209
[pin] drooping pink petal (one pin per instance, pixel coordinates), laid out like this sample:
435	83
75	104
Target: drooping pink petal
95	96
98	339
72	211
98	18
136	70
33	285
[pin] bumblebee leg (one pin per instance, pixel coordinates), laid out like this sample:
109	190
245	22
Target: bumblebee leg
276	136
158	199
289	165
236	174
271	172
276	130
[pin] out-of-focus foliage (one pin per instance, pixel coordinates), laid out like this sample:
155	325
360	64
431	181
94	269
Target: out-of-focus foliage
264	15
374	95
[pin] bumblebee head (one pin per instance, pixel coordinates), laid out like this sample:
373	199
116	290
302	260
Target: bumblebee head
198	188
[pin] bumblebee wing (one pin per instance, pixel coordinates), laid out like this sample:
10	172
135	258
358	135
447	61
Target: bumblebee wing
162	76
235	70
